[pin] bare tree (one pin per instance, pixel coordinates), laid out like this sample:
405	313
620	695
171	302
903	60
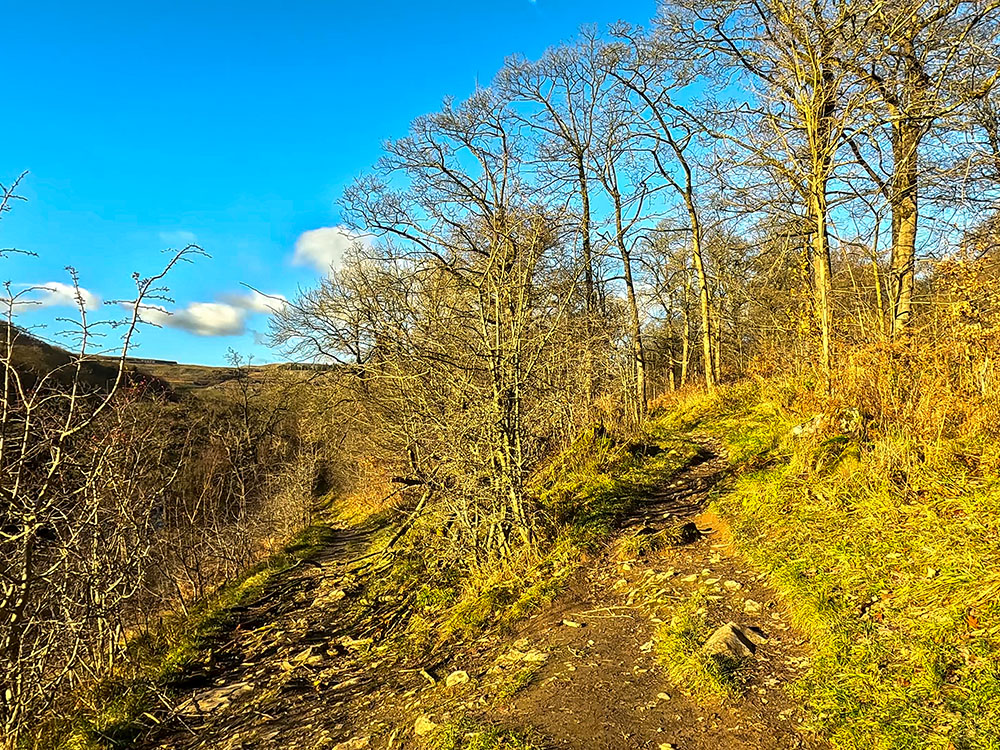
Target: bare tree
73	530
640	65
798	101
923	62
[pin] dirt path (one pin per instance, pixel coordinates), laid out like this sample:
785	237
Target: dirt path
296	672
279	678
602	685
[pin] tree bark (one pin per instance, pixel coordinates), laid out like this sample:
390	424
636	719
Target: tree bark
822	276
638	352
703	297
906	141
686	341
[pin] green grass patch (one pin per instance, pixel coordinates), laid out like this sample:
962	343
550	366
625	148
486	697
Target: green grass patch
887	551
469	734
514	682
634	546
679	648
583	494
591	486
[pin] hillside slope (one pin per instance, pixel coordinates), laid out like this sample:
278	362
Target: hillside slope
613	660
866	625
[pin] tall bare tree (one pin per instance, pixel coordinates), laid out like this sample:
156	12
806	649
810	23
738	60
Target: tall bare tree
640	64
797	99
923	62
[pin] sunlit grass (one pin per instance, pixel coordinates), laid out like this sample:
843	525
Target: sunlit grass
583	494
887	552
679	648
468	734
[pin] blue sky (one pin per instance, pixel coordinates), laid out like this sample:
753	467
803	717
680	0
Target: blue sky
236	125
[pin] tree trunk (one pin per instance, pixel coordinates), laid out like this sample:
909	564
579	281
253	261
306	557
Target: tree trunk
587	251
822	274
906	141
686	341
717	345
638	352
703	297
590	298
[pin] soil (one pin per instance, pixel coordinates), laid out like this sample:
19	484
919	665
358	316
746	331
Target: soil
603	686
295	671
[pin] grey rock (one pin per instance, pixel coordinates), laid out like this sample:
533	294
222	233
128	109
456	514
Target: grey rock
806	429
355	743
730	641
423	726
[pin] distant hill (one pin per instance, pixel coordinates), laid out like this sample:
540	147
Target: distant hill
36	357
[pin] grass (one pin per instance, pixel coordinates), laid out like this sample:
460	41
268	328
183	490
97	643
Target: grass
513	683
591	486
634	546
584	493
886	549
679	649
469	734
110	712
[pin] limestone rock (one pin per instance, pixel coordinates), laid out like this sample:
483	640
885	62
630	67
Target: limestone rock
355	743
215	699
752	607
531	656
730	641
807	429
423	726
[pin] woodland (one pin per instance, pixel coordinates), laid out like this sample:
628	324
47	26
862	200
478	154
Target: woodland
749	214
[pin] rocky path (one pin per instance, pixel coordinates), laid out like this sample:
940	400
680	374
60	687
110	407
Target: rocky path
603	685
296	670
282	676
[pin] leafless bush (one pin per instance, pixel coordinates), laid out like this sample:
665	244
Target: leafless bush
79	488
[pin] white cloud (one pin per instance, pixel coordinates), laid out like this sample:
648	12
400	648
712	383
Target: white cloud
179	238
59	294
256	302
324	248
200	318
225	318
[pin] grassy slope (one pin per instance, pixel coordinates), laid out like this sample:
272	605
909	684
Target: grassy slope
888	553
585	492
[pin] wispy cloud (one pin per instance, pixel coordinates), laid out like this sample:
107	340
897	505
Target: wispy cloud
256	302
199	318
60	294
228	317
324	248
